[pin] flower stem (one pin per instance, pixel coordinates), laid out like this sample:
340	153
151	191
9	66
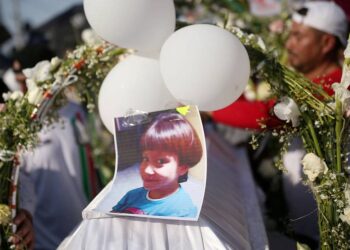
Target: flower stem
338	132
313	135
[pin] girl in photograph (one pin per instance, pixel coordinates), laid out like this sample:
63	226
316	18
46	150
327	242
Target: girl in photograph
170	146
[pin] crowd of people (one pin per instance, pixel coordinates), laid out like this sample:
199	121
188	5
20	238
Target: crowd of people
52	189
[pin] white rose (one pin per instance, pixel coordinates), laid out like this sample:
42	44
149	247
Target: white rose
313	166
35	95
15	95
90	37
263	91
55	63
343	94
287	110
6	96
40	73
345	217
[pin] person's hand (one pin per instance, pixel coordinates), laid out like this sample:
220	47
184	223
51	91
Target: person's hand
24	237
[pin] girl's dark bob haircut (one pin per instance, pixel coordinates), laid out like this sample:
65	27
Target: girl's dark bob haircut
172	132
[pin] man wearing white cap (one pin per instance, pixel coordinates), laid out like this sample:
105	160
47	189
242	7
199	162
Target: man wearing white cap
318	32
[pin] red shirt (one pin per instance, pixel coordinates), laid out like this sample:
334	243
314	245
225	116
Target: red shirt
246	114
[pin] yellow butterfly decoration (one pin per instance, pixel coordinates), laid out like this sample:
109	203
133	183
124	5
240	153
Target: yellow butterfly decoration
183	110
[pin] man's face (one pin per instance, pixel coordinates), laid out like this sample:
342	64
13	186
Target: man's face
304	48
160	170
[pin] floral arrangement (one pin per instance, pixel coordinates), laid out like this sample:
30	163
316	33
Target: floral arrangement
321	121
23	116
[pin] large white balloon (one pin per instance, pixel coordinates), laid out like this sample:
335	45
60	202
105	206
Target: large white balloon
136	24
136	84
204	65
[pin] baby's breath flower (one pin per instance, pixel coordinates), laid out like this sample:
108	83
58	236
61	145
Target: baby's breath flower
323	196
90	37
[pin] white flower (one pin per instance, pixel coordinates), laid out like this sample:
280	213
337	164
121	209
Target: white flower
287	110
55	63
238	32
258	41
347	194
261	43
263	91
342	94
240	24
249	92
15	95
313	166
345	78
345	217
90	37
35	95
40	73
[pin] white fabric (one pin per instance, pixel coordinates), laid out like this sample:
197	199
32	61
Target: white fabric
325	16
230	217
143	234
51	184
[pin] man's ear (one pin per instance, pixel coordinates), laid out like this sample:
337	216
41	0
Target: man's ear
183	169
328	43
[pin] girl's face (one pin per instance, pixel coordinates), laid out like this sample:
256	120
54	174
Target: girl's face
160	171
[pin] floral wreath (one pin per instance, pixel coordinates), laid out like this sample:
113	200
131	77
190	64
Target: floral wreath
22	116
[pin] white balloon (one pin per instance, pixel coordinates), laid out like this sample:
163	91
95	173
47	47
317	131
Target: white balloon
135	83
204	65
143	25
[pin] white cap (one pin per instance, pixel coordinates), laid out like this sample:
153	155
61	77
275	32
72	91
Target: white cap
324	16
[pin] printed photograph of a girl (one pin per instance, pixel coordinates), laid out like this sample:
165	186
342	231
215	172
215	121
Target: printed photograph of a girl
169	147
